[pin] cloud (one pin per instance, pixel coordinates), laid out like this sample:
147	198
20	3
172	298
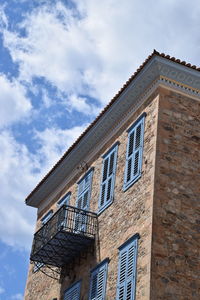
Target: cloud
17	297
3	17
53	142
20	171
14	105
93	48
46	99
2	290
81	104
17	177
62	61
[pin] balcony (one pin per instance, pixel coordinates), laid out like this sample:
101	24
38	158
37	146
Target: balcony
67	234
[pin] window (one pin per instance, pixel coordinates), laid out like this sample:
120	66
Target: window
73	293
84	191
83	201
127	269
134	152
64	200
98	281
62	214
45	225
46	218
108	177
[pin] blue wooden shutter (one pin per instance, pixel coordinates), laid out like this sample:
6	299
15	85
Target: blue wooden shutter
46	218
108	178
73	293
84	191
127	272
62	215
46	228
64	200
134	153
83	201
98	283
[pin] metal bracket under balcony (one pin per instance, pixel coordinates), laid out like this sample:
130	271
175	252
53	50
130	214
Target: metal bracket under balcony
68	233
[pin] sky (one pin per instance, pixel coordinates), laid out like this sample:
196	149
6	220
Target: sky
61	61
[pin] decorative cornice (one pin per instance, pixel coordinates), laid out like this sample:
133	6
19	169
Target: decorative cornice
179	86
157	70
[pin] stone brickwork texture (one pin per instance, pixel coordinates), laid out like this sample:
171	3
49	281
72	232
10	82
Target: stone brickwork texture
176	217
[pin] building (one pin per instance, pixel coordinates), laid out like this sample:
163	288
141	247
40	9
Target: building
119	214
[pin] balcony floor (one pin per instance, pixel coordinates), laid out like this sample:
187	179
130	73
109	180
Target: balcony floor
62	248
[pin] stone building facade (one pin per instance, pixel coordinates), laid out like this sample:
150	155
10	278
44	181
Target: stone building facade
137	169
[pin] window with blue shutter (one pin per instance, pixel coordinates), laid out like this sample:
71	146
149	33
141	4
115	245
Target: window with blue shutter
98	282
127	270
83	200
64	200
46	218
73	293
45	224
62	214
108	177
134	152
84	191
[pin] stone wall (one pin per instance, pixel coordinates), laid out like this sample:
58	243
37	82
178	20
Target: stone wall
130	213
176	218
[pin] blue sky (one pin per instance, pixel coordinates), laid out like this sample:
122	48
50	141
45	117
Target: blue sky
60	64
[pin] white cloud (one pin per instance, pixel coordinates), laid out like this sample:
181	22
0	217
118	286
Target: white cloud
46	99
20	172
2	290
51	49
3	17
17	297
81	104
95	53
17	177
53	142
14	105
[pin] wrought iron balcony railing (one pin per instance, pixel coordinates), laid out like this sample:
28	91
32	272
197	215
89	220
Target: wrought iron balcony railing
68	233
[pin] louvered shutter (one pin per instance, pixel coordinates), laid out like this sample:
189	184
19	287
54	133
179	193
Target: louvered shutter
64	200
84	192
127	272
73	293
108	178
78	218
62	214
134	153
98	283
46	229
46	218
61	218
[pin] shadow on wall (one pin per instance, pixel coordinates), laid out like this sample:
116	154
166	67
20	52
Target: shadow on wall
80	269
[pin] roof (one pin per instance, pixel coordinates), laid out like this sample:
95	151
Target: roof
113	100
